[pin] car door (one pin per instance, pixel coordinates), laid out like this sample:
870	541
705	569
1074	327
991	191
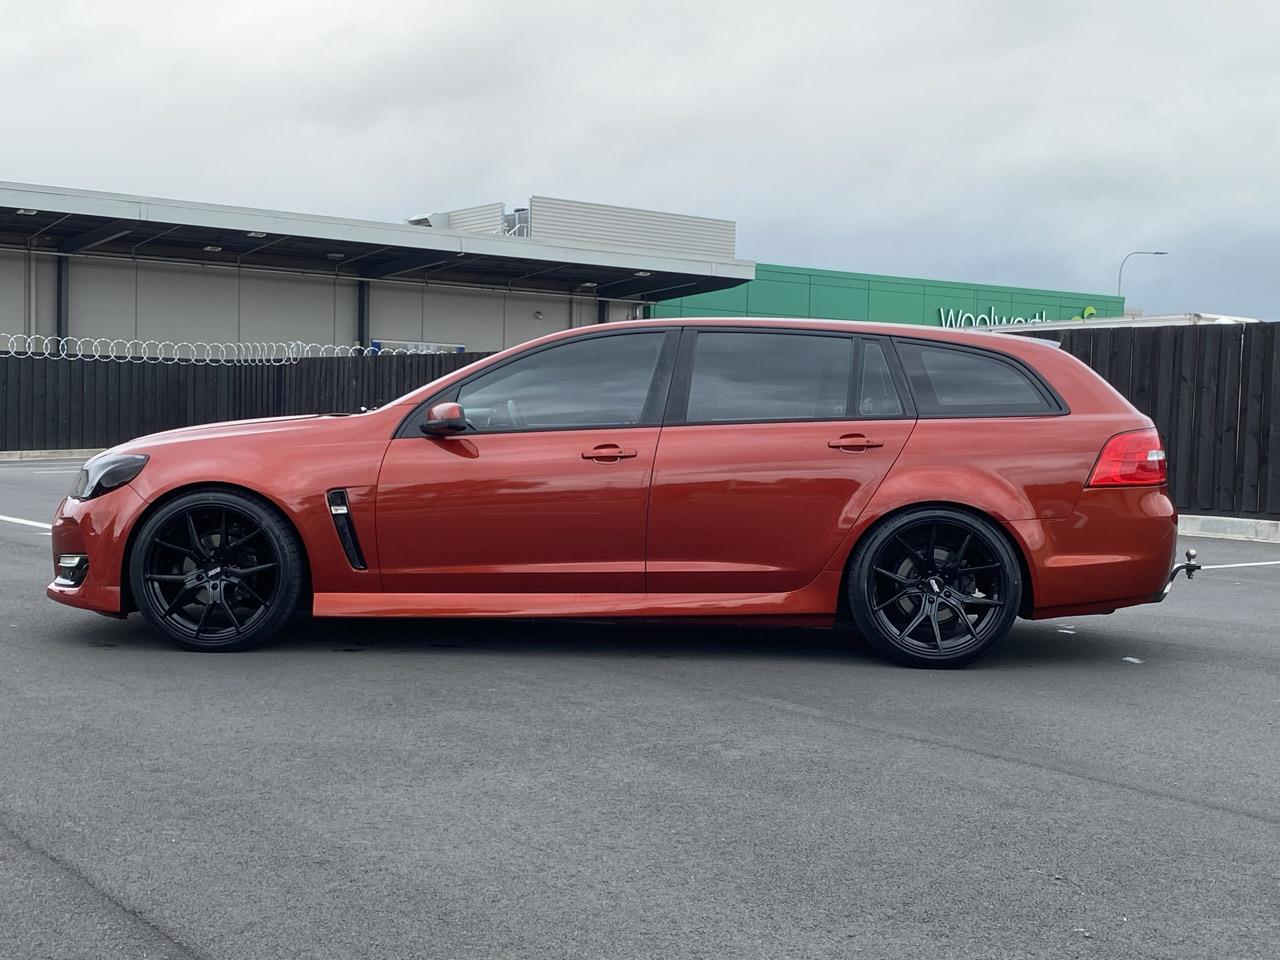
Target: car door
546	490
774	442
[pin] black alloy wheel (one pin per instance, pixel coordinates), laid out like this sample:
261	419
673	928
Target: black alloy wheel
216	570
934	587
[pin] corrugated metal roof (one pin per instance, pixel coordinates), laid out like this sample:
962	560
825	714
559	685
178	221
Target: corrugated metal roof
552	219
485	218
58	221
1154	320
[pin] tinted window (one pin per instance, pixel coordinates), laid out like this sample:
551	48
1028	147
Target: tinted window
877	395
958	382
599	382
769	376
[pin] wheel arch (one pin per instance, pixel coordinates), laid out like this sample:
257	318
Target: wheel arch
1025	606
127	601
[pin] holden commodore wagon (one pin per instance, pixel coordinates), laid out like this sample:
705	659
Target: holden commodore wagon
927	486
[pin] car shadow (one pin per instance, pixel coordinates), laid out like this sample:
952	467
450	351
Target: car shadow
1030	643
571	638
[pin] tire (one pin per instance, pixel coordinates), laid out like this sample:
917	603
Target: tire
934	587
216	570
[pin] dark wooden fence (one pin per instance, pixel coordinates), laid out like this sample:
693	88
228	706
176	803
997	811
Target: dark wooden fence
67	404
1214	392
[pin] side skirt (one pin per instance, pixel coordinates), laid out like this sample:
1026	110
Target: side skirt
817	598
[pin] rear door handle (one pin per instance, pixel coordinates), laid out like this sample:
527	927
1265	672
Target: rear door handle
853	442
607	453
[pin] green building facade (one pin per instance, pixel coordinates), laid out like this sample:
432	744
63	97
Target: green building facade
779	291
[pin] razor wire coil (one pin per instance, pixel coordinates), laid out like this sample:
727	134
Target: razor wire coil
119	350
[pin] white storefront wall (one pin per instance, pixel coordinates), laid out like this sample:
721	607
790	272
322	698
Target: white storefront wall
118	299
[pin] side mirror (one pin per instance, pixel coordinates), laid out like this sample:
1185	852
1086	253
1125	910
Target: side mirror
444	419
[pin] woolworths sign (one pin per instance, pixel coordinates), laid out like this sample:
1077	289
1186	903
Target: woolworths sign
966	318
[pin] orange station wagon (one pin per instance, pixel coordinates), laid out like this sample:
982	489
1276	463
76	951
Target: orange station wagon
928	485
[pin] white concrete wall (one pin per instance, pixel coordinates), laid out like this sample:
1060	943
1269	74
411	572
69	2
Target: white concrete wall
46	303
395	312
178	304
28	294
284	308
482	320
115	299
13	292
101	300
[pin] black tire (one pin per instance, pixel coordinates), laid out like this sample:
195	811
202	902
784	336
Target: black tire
216	570
934	587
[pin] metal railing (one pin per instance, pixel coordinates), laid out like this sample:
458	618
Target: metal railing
122	350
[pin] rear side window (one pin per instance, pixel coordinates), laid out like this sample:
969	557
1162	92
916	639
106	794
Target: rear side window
955	382
769	376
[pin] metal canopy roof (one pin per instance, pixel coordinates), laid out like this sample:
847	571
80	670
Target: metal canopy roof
1132	322
57	220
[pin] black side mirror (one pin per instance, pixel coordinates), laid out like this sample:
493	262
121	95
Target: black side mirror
444	419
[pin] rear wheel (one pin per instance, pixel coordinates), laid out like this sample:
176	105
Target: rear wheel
216	570
934	587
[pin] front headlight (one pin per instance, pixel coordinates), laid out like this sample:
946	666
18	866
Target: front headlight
102	474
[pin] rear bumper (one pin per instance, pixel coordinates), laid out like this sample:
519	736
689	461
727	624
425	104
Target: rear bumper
98	529
1114	550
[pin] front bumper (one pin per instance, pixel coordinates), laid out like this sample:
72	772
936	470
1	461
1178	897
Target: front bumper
97	529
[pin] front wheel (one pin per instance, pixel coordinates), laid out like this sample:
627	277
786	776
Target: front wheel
934	587
216	570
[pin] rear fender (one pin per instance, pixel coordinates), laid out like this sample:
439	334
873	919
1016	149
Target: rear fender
966	488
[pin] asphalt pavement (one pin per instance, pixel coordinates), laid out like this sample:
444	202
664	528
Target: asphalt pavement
1097	787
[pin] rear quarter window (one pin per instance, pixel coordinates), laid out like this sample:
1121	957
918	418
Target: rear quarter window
962	382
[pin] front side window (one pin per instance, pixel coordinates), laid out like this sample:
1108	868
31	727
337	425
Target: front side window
949	382
769	376
596	382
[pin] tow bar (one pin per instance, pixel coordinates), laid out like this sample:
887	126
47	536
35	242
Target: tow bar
1189	568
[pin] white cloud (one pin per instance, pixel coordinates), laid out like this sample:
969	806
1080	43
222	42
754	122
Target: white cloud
1014	142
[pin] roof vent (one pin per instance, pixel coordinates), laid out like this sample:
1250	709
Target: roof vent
516	223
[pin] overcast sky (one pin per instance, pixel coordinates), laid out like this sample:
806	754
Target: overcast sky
1031	143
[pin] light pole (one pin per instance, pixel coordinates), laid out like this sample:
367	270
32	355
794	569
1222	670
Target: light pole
1133	253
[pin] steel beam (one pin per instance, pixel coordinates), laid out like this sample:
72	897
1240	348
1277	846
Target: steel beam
362	313
416	261
111	230
63	298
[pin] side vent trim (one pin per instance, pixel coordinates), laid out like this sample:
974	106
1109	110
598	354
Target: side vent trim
340	510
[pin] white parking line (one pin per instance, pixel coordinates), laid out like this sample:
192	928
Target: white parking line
1228	566
27	523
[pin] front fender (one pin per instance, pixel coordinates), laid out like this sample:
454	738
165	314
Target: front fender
293	473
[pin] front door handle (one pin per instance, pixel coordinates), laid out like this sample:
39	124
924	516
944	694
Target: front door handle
854	442
607	453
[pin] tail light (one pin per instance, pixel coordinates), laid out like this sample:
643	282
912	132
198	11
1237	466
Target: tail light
1131	460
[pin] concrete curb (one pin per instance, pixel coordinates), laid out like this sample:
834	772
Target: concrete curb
48	454
1230	528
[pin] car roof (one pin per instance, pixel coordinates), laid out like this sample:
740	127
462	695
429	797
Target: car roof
986	339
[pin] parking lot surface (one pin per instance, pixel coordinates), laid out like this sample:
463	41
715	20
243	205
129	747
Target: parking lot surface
1097	787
